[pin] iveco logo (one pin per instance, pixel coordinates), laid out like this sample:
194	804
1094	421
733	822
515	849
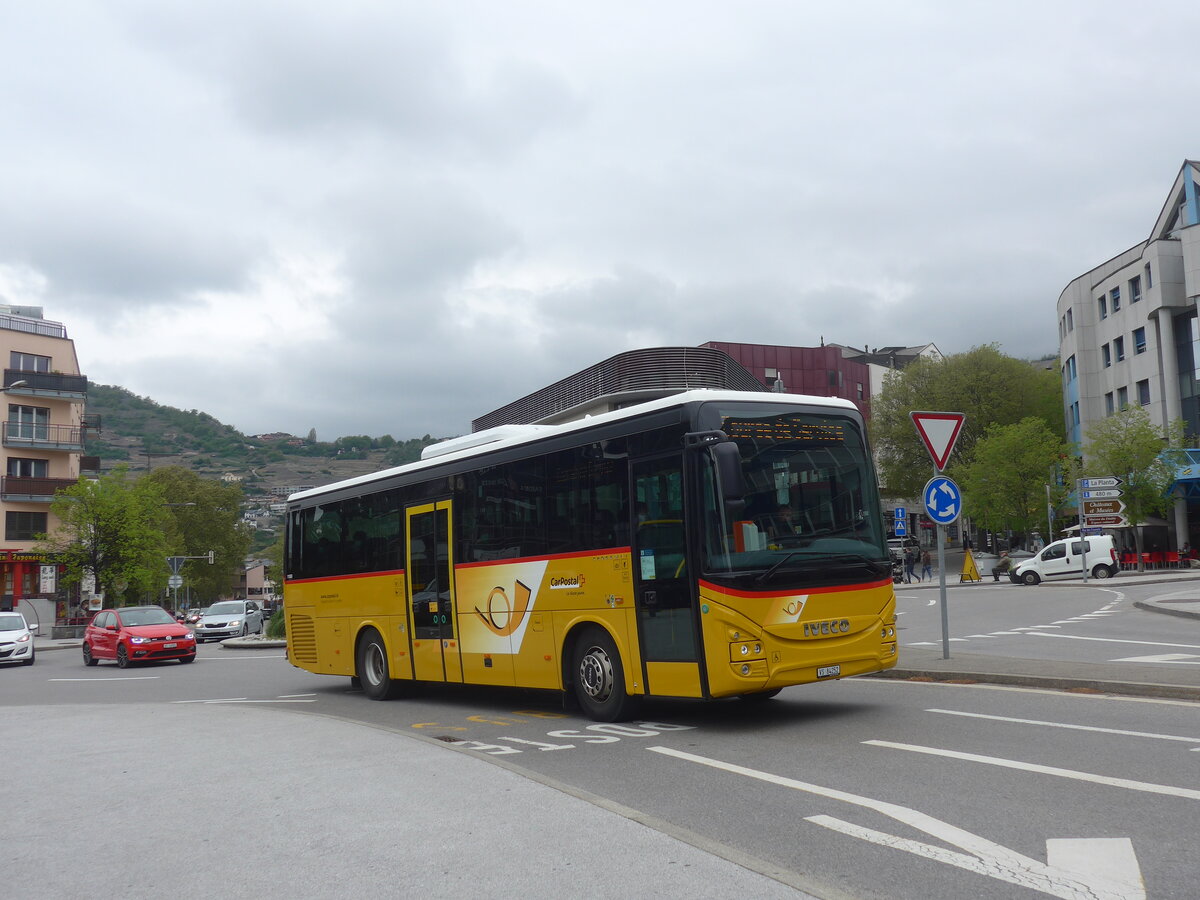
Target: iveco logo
817	629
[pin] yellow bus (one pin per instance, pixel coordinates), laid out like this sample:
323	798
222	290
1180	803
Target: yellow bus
708	544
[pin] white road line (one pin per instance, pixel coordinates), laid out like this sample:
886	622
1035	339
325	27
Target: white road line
986	857
1144	786
1078	637
222	700
1145	734
1185	659
292	696
109	678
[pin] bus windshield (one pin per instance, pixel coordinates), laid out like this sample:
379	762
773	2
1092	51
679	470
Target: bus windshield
810	512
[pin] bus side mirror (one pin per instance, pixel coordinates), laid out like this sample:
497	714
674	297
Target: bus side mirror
728	460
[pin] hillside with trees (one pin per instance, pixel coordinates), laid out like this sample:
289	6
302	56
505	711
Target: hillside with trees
142	435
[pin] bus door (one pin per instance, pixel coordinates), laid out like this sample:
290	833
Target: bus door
430	576
663	579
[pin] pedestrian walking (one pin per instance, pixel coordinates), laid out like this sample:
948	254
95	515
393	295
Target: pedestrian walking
910	563
926	566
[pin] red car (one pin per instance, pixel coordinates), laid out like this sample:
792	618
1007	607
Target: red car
137	634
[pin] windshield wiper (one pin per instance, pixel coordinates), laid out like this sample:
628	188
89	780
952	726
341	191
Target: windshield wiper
835	558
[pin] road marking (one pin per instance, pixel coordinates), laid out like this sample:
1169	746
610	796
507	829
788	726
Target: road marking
220	700
1143	786
1078	637
1145	734
291	696
107	678
982	856
1181	658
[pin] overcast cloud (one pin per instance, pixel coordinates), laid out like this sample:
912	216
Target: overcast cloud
386	217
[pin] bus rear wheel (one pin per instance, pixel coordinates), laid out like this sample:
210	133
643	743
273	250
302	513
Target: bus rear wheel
600	678
371	666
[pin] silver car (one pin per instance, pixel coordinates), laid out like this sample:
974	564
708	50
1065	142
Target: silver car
16	639
229	618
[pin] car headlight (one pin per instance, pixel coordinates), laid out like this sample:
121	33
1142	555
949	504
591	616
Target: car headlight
234	623
25	638
188	637
140	640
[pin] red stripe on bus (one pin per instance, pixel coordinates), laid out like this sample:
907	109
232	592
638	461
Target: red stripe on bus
343	577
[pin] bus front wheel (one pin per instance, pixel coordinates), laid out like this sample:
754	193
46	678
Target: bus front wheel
600	678
371	666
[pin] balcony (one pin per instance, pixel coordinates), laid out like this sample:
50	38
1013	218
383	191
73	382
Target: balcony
31	436
15	489
45	384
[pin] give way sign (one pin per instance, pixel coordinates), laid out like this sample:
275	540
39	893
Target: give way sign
939	432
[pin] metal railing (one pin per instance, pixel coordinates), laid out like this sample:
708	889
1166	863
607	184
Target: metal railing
33	326
51	382
17	487
51	437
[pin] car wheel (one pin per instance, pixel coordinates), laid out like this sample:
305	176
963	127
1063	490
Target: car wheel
122	657
1101	572
245	630
88	659
1030	578
371	666
600	678
188	659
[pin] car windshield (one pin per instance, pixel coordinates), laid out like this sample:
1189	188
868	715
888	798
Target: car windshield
228	608
810	510
153	615
12	623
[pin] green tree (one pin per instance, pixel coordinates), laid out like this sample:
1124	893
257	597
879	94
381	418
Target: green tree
989	387
1004	484
113	530
1129	446
205	514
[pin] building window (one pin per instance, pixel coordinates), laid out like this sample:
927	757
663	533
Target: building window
28	423
859	389
23	526
1070	320
1135	288
1149	277
1075	412
1108	404
1102	303
1071	372
1106	352
1119	348
1143	389
28	362
1139	341
28	468
1122	398
1115	296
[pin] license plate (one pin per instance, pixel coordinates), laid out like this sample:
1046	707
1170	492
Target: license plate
170	646
829	671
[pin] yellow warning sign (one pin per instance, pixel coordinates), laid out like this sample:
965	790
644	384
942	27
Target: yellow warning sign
970	571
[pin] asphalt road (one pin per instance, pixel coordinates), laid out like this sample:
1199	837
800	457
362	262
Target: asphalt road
270	780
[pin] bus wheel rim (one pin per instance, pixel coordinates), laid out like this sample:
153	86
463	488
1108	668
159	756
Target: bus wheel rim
374	664
596	674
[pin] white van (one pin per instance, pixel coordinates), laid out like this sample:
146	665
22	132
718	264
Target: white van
1064	559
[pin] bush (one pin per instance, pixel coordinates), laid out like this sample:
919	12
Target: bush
276	627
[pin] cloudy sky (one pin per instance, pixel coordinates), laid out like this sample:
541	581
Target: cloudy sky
376	216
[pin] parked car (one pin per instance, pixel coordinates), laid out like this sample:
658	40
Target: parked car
137	634
16	639
229	618
1065	559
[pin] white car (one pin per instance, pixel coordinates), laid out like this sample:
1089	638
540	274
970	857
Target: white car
16	639
229	618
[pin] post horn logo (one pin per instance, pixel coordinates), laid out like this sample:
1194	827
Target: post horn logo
503	617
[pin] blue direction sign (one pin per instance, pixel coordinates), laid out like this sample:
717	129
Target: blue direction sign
943	500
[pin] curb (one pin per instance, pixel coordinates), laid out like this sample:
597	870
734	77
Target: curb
1181	613
1053	683
252	644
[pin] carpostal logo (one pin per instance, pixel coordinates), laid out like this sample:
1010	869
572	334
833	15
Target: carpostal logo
565	582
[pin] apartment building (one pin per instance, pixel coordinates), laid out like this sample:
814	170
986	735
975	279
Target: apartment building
1128	331
42	438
